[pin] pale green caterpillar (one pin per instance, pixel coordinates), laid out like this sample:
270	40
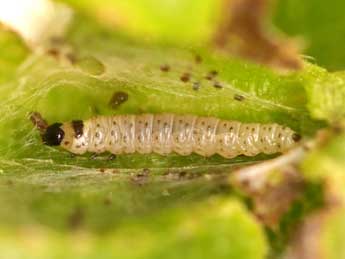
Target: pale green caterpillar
167	133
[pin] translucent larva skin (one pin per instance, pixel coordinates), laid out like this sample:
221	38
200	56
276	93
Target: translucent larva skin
182	134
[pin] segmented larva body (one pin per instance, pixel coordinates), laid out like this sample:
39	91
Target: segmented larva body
167	133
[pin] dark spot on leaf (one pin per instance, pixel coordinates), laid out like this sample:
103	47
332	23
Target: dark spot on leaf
141	177
117	99
53	52
182	174
239	97
71	57
185	77
146	171
107	201
211	75
217	85
76	219
165	68
198	59
57	40
196	86
246	21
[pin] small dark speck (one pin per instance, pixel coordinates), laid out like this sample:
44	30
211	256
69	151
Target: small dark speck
102	170
198	59
165	68
111	157
76	218
239	97
337	128
217	85
146	171
245	183
57	40
107	201
53	52
71	57
296	137
141	177
185	77
117	99
182	174
196	86
212	74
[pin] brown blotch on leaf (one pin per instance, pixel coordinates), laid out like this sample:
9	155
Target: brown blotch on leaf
38	121
57	40
107	201
185	77
76	219
196	86
276	199
239	97
71	57
117	99
146	171
307	241
243	32
217	85
198	59
211	75
141	177
165	68
53	52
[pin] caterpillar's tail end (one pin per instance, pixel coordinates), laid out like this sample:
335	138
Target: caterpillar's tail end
296	137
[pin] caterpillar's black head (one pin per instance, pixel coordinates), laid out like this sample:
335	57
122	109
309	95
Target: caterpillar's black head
53	135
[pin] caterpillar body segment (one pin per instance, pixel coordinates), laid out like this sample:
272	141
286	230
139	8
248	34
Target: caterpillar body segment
167	133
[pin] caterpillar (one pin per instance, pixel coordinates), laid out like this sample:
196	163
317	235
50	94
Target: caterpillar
167	133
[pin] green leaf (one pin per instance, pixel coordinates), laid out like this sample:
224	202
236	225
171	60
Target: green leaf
102	204
170	234
332	235
320	25
63	91
14	52
326	94
156	21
